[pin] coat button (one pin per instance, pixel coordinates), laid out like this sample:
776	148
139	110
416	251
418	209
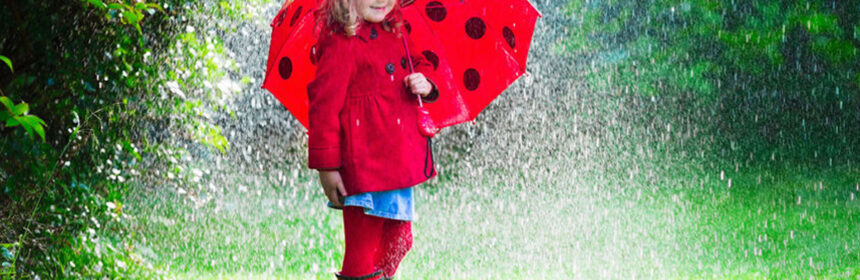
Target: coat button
373	33
389	68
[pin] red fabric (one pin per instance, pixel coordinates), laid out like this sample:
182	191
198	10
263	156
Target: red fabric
373	243
477	48
362	119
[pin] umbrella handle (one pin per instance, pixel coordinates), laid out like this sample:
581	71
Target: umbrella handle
409	58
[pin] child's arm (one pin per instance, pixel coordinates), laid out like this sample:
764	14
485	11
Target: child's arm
326	97
427	71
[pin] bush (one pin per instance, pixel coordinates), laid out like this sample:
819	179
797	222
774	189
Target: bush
762	75
108	77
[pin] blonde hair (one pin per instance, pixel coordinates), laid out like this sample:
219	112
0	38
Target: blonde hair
337	16
341	16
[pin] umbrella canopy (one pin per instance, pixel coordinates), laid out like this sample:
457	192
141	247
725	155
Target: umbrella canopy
477	47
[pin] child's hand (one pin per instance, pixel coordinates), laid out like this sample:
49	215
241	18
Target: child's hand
332	186
418	84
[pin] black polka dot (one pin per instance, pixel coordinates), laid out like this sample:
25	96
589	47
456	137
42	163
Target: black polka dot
475	28
404	63
432	57
373	33
471	79
509	37
285	68
281	17
313	55
436	11
390	68
407	26
296	16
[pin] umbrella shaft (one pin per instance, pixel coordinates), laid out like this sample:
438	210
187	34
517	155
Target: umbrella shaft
409	58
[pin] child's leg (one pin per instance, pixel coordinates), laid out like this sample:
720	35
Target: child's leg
363	237
396	242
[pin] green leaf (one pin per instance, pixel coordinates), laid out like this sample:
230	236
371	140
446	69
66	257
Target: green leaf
39	130
7	102
26	124
21	109
98	3
131	17
155	6
116	6
8	62
12	122
32	124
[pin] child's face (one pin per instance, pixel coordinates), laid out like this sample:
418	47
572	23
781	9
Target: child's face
374	10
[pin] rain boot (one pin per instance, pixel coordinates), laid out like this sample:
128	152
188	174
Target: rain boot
363	277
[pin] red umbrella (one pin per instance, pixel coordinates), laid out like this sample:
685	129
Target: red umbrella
477	47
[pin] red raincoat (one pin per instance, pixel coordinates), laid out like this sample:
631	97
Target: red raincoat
362	117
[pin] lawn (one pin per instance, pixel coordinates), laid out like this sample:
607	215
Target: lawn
675	221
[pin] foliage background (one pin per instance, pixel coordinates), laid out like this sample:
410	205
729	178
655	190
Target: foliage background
110	79
767	76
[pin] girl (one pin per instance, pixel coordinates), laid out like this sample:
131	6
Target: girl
363	137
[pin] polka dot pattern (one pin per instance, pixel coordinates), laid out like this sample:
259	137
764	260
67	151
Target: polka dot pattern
285	68
373	33
281	17
296	16
407	26
390	68
475	28
471	79
432	57
436	11
508	34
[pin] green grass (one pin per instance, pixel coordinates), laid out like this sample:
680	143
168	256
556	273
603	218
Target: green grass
783	223
669	223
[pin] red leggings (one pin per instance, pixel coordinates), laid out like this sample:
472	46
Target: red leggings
373	243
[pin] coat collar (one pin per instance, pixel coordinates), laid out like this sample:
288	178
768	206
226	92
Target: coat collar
370	31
